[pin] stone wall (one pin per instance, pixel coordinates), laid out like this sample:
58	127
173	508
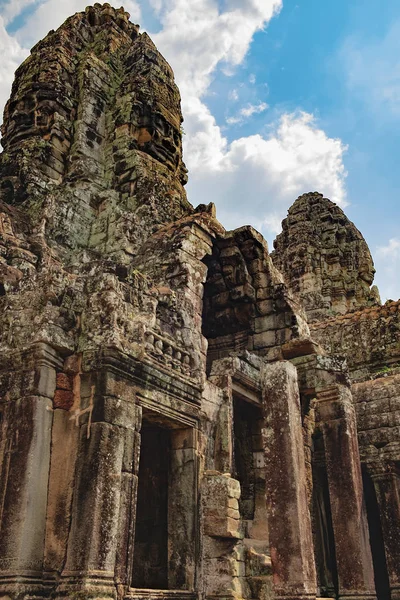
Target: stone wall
369	339
171	426
378	411
247	306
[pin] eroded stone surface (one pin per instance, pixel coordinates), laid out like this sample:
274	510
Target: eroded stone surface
174	412
324	258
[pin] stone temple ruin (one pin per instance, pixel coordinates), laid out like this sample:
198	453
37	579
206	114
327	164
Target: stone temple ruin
183	414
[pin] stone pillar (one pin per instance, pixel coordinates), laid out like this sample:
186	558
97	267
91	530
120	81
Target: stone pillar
223	560
336	417
92	541
100	544
25	442
291	543
387	488
182	510
25	471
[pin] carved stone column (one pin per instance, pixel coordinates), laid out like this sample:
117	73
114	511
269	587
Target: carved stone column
336	416
25	441
100	544
291	543
386	479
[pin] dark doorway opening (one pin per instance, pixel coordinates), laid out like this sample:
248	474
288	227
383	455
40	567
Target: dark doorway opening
324	544
164	553
150	564
249	469
382	585
245	418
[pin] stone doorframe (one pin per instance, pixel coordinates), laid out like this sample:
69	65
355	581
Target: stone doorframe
100	551
182	498
324	381
274	389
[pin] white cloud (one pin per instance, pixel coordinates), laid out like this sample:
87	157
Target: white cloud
255	179
233	95
156	5
254	109
11	56
387	263
247	111
391	250
13	8
372	68
198	36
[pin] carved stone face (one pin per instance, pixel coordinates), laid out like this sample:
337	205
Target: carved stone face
367	271
160	139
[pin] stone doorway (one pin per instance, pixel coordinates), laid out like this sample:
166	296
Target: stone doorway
166	515
324	544
249	470
382	584
150	567
248	457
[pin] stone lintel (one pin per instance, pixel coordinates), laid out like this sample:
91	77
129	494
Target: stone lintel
39	353
31	372
383	470
143	374
317	372
241	374
45	354
300	347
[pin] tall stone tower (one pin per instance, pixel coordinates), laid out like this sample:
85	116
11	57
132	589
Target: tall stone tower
174	420
325	258
92	134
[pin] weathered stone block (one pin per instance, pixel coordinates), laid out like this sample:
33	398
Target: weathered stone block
63	399
24	485
64	381
262	324
264	340
118	411
217	491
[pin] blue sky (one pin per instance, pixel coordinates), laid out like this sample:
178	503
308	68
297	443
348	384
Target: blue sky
280	97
